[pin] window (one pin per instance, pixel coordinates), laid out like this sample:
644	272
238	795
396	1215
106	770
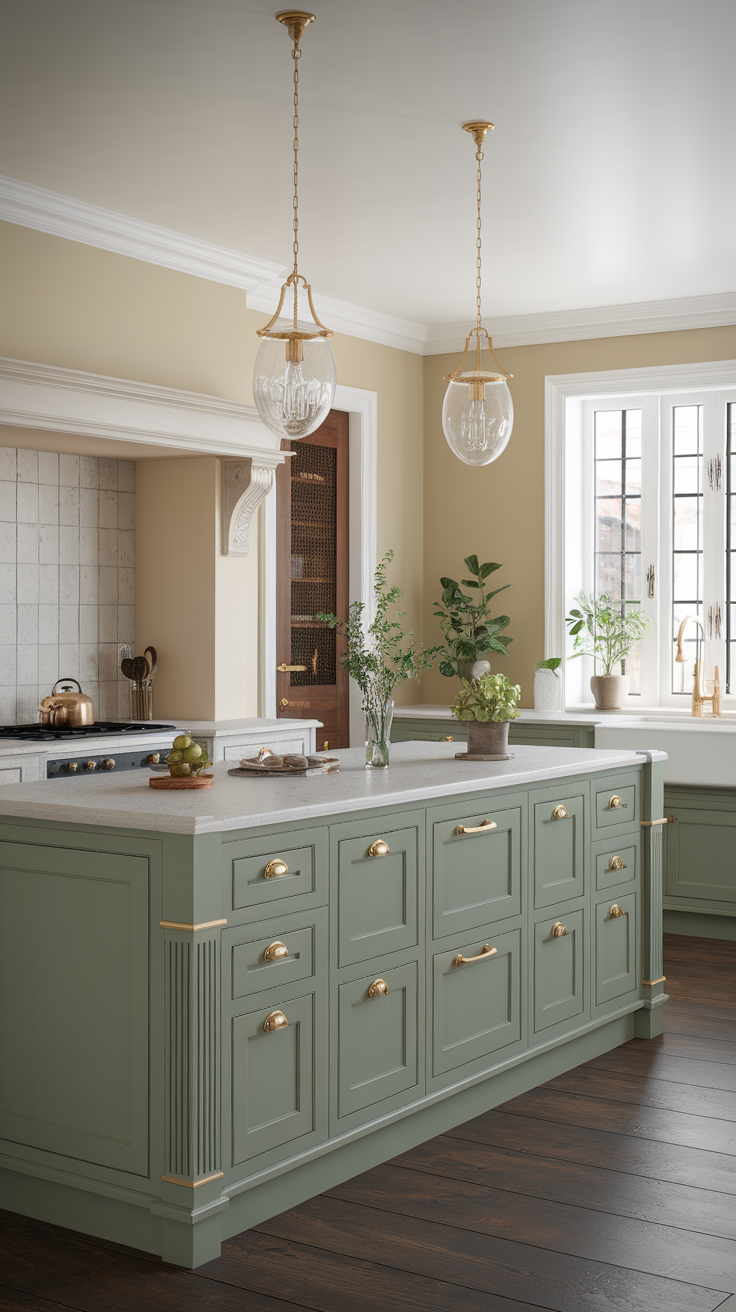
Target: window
655	474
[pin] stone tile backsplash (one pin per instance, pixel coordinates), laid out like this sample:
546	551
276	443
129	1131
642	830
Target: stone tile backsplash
67	579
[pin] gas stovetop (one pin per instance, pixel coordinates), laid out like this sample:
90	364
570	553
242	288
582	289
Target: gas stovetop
46	733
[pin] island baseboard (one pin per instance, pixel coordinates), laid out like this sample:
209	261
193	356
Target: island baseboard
699	924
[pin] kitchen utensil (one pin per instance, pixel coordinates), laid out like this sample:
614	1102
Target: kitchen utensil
66	708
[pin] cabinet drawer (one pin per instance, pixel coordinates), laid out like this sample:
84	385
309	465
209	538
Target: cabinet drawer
559	992
559	848
476	1006
378	1044
274	1078
378	894
255	869
616	801
616	863
256	960
476	877
699	851
236	751
615	947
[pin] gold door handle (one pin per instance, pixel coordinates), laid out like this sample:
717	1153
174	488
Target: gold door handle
484	827
284	669
379	847
558	930
378	989
560	813
275	868
614	802
275	1020
616	911
486	951
284	701
276	951
616	864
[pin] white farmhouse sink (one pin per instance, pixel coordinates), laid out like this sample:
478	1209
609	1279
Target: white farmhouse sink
699	752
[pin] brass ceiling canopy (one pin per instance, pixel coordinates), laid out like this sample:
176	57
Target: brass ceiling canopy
295	21
478	131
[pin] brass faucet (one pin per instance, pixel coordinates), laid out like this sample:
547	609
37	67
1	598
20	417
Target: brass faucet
699	697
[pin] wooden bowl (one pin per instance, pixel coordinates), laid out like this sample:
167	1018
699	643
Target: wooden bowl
183	781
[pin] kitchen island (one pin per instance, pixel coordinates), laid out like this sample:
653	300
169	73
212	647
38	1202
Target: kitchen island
217	1004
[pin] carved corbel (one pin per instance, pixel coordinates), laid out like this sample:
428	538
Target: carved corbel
243	485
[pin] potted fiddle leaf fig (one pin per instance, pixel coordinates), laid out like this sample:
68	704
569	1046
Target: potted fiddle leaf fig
471	632
487	705
601	631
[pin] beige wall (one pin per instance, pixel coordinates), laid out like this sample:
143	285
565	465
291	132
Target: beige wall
78	307
498	511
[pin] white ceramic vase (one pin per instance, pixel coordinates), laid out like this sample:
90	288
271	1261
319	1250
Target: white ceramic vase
609	690
547	690
473	669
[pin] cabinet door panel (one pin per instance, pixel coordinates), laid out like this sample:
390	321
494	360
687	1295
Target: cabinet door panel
700	855
252	968
559	852
378	1041
476	876
477	1007
616	863
377	894
304	884
616	802
273	1079
615	948
559	992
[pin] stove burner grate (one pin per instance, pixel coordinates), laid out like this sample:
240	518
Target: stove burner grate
43	733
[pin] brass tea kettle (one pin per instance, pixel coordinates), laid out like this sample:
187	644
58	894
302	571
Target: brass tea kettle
66	709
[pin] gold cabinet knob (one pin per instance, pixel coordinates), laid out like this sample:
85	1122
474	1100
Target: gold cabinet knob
486	951
379	847
560	813
617	911
326	745
448	739
275	1020
378	989
614	802
275	868
558	930
276	951
616	864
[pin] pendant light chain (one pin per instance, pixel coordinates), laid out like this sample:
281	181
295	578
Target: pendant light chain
296	56
479	157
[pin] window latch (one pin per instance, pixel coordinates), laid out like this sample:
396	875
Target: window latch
715	470
650	581
718	620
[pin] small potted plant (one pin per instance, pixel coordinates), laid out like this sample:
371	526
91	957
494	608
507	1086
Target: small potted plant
471	632
487	705
601	630
547	684
378	660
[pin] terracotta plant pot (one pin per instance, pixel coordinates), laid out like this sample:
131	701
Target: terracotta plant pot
610	691
489	741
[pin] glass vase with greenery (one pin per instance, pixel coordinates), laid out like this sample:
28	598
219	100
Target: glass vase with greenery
470	631
380	656
602	631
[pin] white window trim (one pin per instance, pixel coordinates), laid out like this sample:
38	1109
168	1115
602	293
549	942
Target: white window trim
564	394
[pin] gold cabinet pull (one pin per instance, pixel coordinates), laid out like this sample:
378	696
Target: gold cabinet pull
615	803
560	813
378	989
379	847
484	827
448	739
275	1020
616	864
275	868
276	951
286	669
558	930
616	911
486	951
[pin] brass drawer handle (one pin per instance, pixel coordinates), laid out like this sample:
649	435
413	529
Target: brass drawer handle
283	668
275	1020
560	813
276	951
615	803
484	827
486	951
448	739
378	989
616	864
616	911
558	930
379	847
275	868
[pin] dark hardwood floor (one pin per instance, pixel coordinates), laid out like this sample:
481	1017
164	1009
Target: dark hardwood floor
612	1187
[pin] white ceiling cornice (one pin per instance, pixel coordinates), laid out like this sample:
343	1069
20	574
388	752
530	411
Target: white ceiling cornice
62	216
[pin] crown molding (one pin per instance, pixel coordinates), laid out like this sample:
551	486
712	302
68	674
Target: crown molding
353	320
714	311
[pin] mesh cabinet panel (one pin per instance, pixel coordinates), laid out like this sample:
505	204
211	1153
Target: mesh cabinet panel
313	562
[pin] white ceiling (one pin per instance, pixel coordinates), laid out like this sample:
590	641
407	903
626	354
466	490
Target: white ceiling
609	178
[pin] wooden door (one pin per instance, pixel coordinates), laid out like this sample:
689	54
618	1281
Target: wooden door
312	577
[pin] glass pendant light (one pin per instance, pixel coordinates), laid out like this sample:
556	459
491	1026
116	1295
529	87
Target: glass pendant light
478	413
294	377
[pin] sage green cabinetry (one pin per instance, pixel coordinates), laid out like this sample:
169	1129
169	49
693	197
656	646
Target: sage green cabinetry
407	729
476	1003
476	874
560	850
255	885
560	956
615	948
700	850
377	894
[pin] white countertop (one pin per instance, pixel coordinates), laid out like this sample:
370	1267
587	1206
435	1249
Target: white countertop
419	771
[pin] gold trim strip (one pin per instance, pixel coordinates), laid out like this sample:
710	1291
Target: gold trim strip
649	982
192	929
666	820
192	1184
